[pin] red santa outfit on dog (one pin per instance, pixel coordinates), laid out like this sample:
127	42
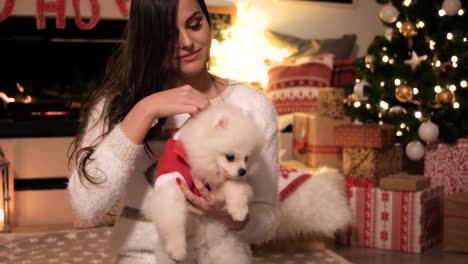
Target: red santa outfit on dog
173	164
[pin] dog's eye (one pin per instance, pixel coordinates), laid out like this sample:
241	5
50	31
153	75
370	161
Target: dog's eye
230	157
246	159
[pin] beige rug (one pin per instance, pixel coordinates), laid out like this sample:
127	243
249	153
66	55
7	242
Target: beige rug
90	246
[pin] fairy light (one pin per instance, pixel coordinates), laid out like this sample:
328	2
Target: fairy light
432	44
358	80
464	39
382	84
461	12
453	88
449	36
380	116
398	24
437	89
384	105
357	104
399	133
438	63
463	84
454	65
397	82
456	105
368	106
420	24
442	12
391	61
418	114
385	58
415	90
384	48
407	2
454	59
408	128
402	125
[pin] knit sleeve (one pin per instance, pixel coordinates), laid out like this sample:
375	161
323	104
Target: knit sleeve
263	210
111	164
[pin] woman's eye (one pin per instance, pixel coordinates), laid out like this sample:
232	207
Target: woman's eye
196	26
230	157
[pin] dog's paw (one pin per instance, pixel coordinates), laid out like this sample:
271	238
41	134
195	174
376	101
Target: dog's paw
238	213
177	250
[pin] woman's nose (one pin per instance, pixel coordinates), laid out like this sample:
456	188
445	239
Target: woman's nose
185	41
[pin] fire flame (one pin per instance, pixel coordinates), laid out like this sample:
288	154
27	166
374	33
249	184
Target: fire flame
243	54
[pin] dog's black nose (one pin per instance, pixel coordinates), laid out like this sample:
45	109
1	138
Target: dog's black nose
242	172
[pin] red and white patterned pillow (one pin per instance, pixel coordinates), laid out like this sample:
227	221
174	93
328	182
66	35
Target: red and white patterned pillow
294	85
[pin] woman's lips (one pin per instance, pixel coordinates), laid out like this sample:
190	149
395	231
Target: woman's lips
190	56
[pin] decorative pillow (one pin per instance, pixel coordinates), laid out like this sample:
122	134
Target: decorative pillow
343	73
341	47
293	85
296	47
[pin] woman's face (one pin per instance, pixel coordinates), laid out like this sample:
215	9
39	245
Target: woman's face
193	46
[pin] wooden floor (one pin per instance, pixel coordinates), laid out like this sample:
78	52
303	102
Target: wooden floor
374	256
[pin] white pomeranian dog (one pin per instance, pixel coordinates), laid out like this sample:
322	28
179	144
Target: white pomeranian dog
218	146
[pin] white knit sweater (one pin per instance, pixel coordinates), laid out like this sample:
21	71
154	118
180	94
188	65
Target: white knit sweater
122	164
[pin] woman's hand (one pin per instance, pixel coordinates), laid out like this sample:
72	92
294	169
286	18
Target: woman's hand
210	205
183	99
179	100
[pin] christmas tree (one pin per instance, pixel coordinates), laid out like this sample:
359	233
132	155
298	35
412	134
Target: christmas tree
415	75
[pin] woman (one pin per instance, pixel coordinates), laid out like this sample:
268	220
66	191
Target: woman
157	79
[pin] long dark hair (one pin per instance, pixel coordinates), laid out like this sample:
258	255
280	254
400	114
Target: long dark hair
139	67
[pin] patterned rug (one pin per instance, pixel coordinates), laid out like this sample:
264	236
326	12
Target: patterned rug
90	246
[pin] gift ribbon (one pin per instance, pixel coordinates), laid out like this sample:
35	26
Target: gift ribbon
464	217
354	182
324	149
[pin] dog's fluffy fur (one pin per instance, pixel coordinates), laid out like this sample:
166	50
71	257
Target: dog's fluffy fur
221	143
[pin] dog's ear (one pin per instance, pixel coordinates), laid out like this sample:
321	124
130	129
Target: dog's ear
221	120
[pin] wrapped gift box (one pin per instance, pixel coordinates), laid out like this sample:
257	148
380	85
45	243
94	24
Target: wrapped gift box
456	222
313	142
372	163
369	135
331	102
400	221
404	182
447	165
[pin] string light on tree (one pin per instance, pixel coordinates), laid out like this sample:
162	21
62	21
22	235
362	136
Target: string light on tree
417	72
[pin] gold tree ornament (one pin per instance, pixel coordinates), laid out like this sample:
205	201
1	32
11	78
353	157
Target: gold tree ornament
404	93
445	97
408	29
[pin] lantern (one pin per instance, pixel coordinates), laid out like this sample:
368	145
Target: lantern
5	224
